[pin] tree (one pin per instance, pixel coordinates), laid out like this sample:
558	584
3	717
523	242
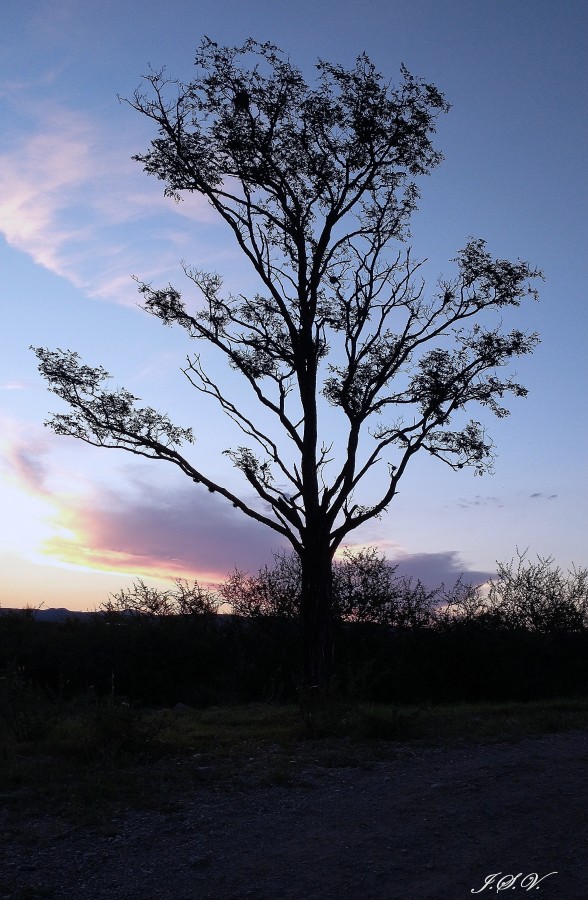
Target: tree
316	185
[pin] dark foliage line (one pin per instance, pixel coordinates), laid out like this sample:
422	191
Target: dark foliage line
527	639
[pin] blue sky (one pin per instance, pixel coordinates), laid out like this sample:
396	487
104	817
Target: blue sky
78	218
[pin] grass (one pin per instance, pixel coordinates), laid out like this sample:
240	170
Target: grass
79	759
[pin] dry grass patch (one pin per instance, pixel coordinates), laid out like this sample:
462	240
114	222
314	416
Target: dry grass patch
88	758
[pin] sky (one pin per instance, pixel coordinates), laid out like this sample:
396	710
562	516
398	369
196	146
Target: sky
79	218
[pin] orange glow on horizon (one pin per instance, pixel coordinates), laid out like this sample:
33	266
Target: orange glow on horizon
73	552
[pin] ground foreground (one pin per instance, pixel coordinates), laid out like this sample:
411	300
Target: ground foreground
402	820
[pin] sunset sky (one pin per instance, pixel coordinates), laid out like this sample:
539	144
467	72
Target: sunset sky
78	218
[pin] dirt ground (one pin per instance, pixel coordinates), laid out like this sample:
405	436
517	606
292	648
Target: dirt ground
415	822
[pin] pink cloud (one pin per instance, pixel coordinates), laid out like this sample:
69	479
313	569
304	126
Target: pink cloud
177	531
68	195
38	177
29	468
23	456
141	528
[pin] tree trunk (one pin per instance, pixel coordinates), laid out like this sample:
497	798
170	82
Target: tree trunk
317	618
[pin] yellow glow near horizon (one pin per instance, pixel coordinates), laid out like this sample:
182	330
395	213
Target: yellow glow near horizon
70	550
39	530
28	521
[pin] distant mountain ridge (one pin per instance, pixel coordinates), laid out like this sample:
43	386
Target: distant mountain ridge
59	614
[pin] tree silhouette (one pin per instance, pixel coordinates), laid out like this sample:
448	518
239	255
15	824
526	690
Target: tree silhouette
316	184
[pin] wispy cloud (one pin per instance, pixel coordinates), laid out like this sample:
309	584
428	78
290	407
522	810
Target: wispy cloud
27	504
480	501
73	199
510	501
29	467
39	179
23	452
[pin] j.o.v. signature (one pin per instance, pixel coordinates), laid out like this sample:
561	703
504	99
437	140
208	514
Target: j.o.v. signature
504	883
